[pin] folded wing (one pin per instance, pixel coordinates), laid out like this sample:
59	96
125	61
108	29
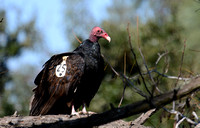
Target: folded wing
56	84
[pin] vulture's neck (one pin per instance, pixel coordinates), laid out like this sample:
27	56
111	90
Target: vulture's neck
90	48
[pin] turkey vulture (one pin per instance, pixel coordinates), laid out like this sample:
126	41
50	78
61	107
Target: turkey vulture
70	80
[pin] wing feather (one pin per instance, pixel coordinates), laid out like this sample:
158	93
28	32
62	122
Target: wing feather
51	88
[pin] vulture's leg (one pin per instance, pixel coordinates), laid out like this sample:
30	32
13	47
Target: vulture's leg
74	111
84	111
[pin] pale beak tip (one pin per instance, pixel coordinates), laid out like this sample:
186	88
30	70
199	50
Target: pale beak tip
108	38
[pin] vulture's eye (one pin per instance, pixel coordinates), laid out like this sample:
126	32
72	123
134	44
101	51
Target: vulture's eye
98	30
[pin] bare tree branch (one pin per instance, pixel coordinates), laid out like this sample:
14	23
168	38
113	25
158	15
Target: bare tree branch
137	90
105	117
128	82
116	73
167	76
160	56
174	77
123	93
182	56
124	83
197	126
131	47
143	117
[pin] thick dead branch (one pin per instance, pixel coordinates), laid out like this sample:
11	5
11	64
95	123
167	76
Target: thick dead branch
103	118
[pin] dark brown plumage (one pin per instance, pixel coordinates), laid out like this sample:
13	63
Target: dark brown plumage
69	80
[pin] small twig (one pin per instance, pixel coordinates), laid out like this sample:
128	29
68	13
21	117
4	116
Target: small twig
125	63
105	67
123	81
160	56
180	73
3	72
144	59
180	121
143	117
132	85
122	98
195	115
15	114
157	61
163	75
177	113
180	69
124	77
116	73
166	68
197	126
76	37
149	73
173	106
194	50
138	32
174	77
129	40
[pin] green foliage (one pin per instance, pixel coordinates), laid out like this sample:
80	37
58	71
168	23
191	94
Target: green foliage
19	90
11	45
7	108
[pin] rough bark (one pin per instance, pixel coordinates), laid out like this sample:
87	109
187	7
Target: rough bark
61	121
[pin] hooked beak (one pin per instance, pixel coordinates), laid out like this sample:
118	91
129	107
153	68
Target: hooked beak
108	38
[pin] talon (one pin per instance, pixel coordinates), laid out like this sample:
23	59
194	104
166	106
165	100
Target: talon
74	113
84	111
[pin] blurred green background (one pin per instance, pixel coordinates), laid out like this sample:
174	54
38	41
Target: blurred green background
32	31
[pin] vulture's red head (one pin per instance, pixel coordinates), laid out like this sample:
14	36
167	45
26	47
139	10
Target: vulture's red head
98	33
